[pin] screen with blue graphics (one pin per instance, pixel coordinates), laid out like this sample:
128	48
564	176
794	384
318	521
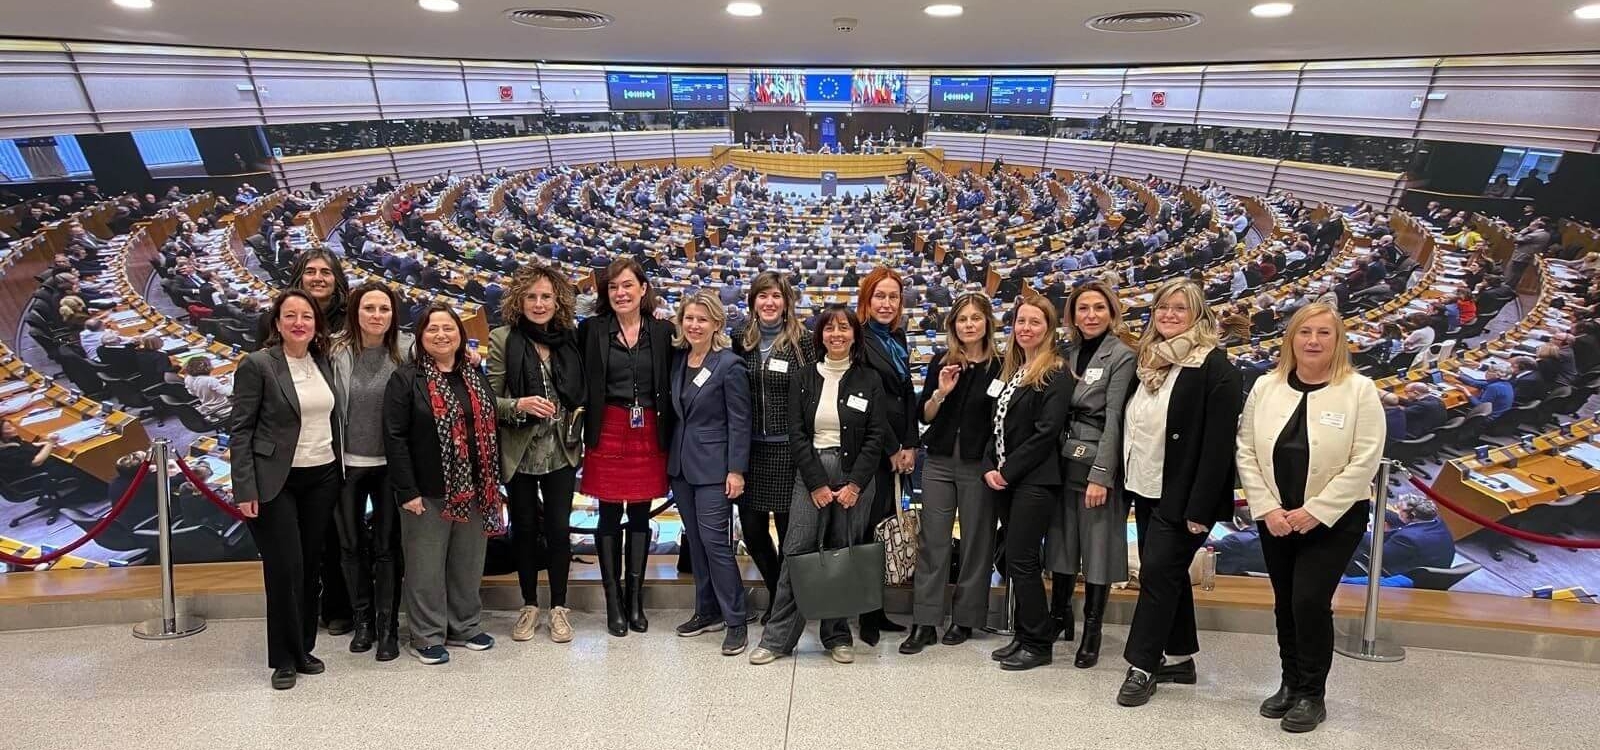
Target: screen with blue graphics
699	91
958	94
1021	95
638	91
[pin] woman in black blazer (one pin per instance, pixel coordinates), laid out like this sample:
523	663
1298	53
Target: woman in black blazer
628	418
837	433
1022	469
443	450
884	349
284	449
1178	473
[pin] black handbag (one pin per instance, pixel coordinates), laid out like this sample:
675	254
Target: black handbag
832	584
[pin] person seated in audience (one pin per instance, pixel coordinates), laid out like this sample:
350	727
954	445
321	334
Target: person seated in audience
214	395
1235	324
19	458
1586	345
1527	384
1500	187
1424	411
1466	309
1420	336
1493	293
1240	553
74	312
1495	390
1415	538
1566	362
154	365
1265	319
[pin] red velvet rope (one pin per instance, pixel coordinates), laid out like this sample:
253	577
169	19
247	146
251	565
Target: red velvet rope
1489	523
111	515
206	491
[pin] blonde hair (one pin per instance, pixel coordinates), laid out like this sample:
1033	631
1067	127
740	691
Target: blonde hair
1205	326
955	352
719	318
791	332
1113	301
1048	359
1341	345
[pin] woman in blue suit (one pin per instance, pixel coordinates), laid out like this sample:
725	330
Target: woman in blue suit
707	461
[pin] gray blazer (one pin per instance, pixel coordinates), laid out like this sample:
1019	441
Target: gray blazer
1096	414
265	423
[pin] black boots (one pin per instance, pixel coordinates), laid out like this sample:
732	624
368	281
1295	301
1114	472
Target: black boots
638	560
361	642
921	637
1061	585
1094	610
388	639
608	549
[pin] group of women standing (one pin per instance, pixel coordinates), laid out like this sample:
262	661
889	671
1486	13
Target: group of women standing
1038	449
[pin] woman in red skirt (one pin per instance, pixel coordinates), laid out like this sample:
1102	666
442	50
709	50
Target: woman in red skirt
627	421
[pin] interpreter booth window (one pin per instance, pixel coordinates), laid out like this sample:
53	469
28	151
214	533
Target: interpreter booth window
579	122
1018	125
169	153
491	128
700	120
42	158
634	122
423	131
948	123
299	139
1516	162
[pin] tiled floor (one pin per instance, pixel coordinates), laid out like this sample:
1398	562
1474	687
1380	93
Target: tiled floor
99	688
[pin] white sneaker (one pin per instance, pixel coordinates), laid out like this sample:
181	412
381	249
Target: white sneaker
527	623
560	627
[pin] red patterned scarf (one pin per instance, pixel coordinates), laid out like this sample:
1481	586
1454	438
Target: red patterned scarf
464	482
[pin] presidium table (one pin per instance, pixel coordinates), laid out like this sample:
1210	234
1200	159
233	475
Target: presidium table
811	166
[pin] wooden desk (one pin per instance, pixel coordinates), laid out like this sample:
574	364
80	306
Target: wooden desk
811	166
1546	469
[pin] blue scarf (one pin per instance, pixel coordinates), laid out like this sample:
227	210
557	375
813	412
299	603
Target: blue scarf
898	354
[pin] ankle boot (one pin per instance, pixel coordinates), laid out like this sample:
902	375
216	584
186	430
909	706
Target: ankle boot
638	560
608	549
1094	610
1061	585
361	642
388	635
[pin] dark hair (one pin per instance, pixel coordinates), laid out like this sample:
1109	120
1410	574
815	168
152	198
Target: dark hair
319	340
197	366
352	318
828	315
418	353
602	303
341	286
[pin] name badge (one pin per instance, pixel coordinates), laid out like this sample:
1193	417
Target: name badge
636	417
778	365
1093	375
856	402
1332	419
703	378
995	387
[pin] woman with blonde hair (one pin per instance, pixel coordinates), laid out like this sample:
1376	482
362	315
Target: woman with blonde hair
1177	458
1310	439
1022	468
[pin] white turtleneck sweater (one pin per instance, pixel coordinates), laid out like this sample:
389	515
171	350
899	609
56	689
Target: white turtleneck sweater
826	432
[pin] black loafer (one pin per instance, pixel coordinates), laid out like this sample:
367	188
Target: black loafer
283	678
310	665
1005	652
1305	716
1025	659
340	627
1182	673
956	635
921	637
1137	688
1278	704
889	626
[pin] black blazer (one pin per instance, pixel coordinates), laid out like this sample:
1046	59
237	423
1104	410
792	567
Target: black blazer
901	402
864	436
1197	476
265	423
967	414
1033	425
593	335
411	444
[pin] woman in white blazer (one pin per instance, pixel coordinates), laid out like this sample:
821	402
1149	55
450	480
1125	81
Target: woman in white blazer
1310	439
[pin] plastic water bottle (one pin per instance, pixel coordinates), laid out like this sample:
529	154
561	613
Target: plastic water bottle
1208	569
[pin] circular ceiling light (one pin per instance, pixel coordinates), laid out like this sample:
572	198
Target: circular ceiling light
134	4
439	6
1272	10
943	10
1588	13
744	10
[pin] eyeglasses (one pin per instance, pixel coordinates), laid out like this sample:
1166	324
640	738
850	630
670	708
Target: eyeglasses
1175	309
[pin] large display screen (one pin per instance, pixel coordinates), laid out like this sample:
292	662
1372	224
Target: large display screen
1021	95
827	87
638	91
958	94
699	91
878	88
779	87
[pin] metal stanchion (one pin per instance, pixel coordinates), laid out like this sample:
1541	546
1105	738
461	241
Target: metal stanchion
169	625
1365	645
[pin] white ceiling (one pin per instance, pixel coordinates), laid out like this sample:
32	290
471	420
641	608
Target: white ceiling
800	32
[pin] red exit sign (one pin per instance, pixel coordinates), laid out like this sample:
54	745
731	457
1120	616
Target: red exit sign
1158	98
505	93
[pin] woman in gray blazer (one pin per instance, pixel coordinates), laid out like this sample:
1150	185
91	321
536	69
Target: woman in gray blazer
707	462
1090	535
284	449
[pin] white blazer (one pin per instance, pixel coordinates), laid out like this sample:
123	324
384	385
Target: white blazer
1346	428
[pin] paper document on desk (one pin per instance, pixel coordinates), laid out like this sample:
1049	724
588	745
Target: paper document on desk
85	430
43	415
18	402
1588	453
1474	374
13	386
1516	485
125	317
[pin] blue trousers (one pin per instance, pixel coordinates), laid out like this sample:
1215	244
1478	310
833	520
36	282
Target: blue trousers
708	522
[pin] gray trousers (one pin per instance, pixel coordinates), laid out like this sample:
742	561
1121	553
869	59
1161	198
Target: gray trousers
845	527
708	522
444	570
952	486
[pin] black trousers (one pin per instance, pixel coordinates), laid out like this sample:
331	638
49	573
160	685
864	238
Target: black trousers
369	546
758	542
1305	571
290	532
333	597
1163	620
541	533
1032	510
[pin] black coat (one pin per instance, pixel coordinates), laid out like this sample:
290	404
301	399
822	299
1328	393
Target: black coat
1197	476
864	435
1033	425
593	335
411	444
965	422
901	403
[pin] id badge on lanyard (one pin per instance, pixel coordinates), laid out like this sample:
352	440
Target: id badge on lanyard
636	416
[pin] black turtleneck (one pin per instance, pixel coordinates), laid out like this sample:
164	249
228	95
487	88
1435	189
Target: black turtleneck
1086	350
